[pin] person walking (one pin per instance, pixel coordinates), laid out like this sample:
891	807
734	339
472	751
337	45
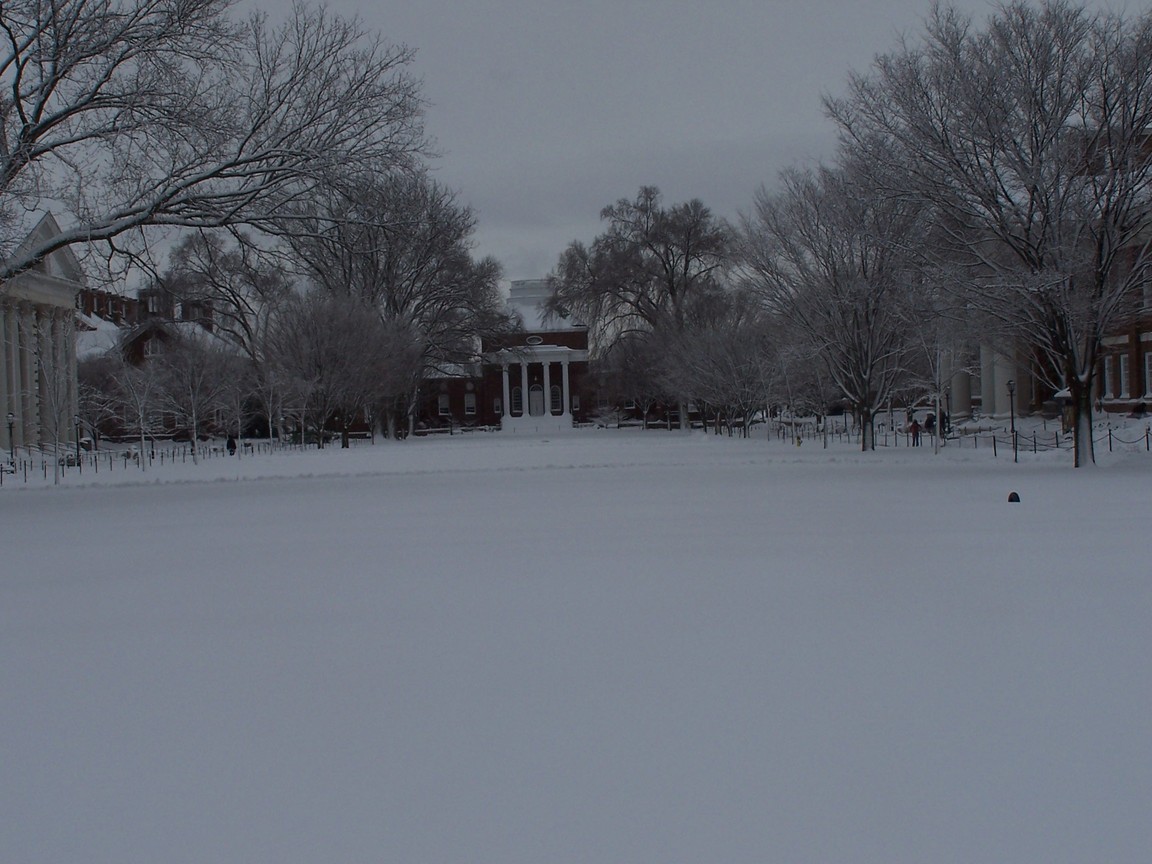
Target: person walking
915	430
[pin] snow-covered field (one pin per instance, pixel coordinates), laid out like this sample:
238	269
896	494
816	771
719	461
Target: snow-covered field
611	646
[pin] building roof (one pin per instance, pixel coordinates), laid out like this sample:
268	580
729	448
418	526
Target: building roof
95	336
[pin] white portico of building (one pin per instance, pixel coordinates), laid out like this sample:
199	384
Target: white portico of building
537	371
38	391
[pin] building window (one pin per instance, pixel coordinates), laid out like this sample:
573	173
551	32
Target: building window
497	406
557	400
630	404
576	400
151	348
445	404
1148	375
1124	377
1108	381
517	400
470	403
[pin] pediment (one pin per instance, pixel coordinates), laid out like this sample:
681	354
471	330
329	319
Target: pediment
61	264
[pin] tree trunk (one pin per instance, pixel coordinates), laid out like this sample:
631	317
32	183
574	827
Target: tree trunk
867	430
195	440
1082	447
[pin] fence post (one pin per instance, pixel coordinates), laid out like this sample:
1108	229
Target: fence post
1109	440
1033	442
993	443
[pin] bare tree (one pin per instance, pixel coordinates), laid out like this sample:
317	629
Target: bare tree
727	363
634	369
96	396
194	379
238	289
1030	139
330	350
646	272
831	257
137	113
401	245
137	393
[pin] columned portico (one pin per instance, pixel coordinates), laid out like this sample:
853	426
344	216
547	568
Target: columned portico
997	367
38	350
538	383
536	375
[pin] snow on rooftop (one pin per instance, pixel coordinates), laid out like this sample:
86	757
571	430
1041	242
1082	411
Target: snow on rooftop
95	336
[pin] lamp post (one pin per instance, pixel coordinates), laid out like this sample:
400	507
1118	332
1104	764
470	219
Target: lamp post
11	440
76	420
1012	404
1012	414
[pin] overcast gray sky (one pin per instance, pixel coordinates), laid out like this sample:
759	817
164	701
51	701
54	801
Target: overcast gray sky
546	111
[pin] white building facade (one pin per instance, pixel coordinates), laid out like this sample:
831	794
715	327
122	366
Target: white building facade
38	387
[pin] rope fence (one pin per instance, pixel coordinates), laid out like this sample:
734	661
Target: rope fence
41	464
993	438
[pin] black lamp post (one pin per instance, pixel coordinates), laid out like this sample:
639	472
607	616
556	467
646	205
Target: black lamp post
76	420
1012	404
1012	414
11	440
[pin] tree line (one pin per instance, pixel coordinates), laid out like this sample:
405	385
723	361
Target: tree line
991	186
282	159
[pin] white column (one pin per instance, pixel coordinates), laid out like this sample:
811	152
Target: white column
989	392
45	372
1005	372
5	371
547	389
505	407
4	366
961	389
26	415
523	389
12	385
69	336
566	396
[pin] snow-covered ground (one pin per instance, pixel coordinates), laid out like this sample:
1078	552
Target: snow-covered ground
609	646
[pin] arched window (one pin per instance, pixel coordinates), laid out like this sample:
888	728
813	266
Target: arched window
557	398
517	400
